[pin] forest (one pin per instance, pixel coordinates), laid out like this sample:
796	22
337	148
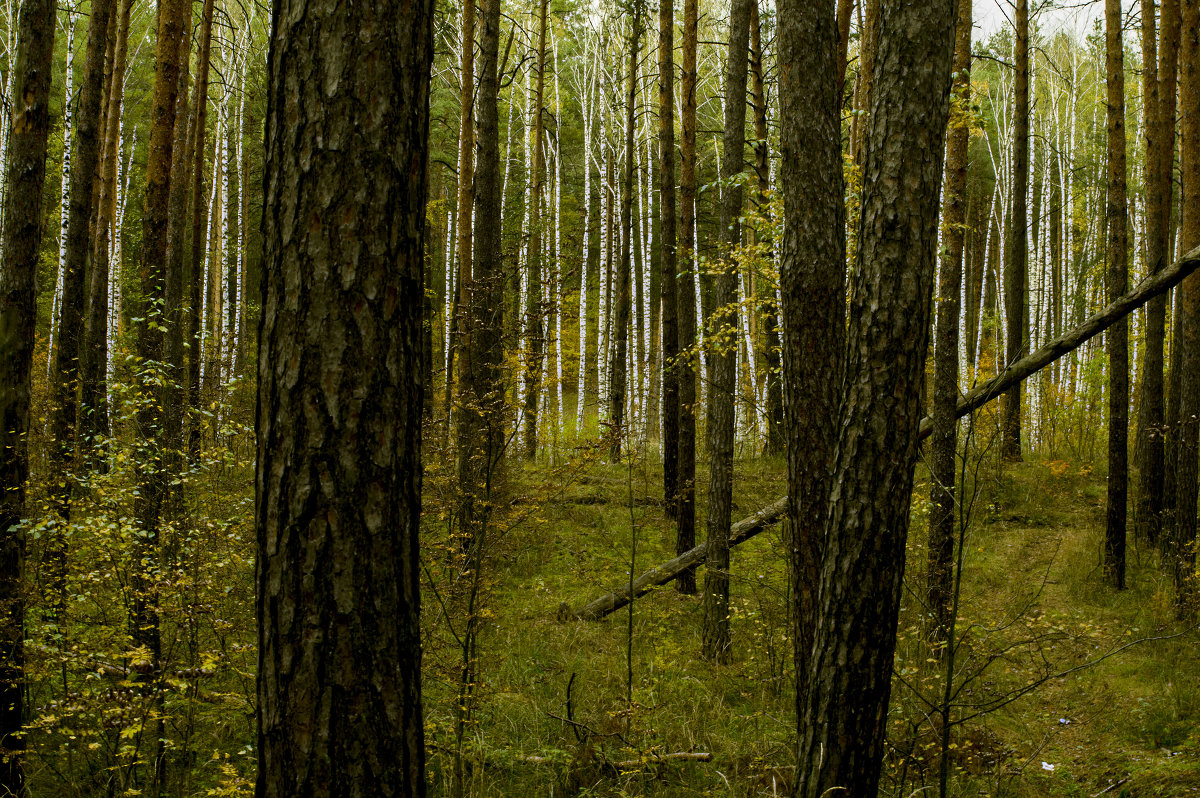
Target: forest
599	398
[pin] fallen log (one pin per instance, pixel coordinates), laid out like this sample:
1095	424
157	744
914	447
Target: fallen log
977	397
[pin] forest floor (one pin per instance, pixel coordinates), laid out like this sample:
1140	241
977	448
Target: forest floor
1061	686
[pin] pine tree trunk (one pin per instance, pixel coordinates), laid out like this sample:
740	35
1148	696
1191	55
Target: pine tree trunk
1016	266
24	180
943	511
339	402
65	366
535	335
1117	337
93	357
1151	416
622	290
842	727
724	353
199	223
812	287
1181	550
685	518
666	257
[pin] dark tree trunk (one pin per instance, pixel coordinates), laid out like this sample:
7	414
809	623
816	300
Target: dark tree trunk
338	479
1016	266
939	578
618	372
1117	337
843	725
685	535
1182	549
667	266
199	220
466	188
24	182
812	284
481	423
723	356
1159	113
64	370
93	357
845	10
535	336
768	311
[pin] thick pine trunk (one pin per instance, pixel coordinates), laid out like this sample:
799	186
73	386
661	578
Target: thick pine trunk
843	724
1117	337
722	369
338	479
24	180
943	511
685	518
812	286
1016	265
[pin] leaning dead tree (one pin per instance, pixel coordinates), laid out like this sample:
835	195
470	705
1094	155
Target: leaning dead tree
1024	368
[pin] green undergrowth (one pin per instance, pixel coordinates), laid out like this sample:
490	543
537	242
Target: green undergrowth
1048	701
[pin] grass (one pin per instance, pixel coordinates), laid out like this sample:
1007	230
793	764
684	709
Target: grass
1128	724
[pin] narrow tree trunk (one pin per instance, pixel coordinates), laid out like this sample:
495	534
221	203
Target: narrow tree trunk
842	727
93	357
623	294
65	367
768	310
1182	549
339	679
812	279
724	354
685	513
466	180
943	511
668	269
199	220
1117	337
65	197
1016	265
535	335
24	180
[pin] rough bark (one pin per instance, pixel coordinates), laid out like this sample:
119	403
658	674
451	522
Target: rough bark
1148	505
812	285
1016	266
1117	337
723	356
480	430
338	479
685	519
1181	550
535	335
667	266
842	727
199	223
618	371
24	182
939	572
